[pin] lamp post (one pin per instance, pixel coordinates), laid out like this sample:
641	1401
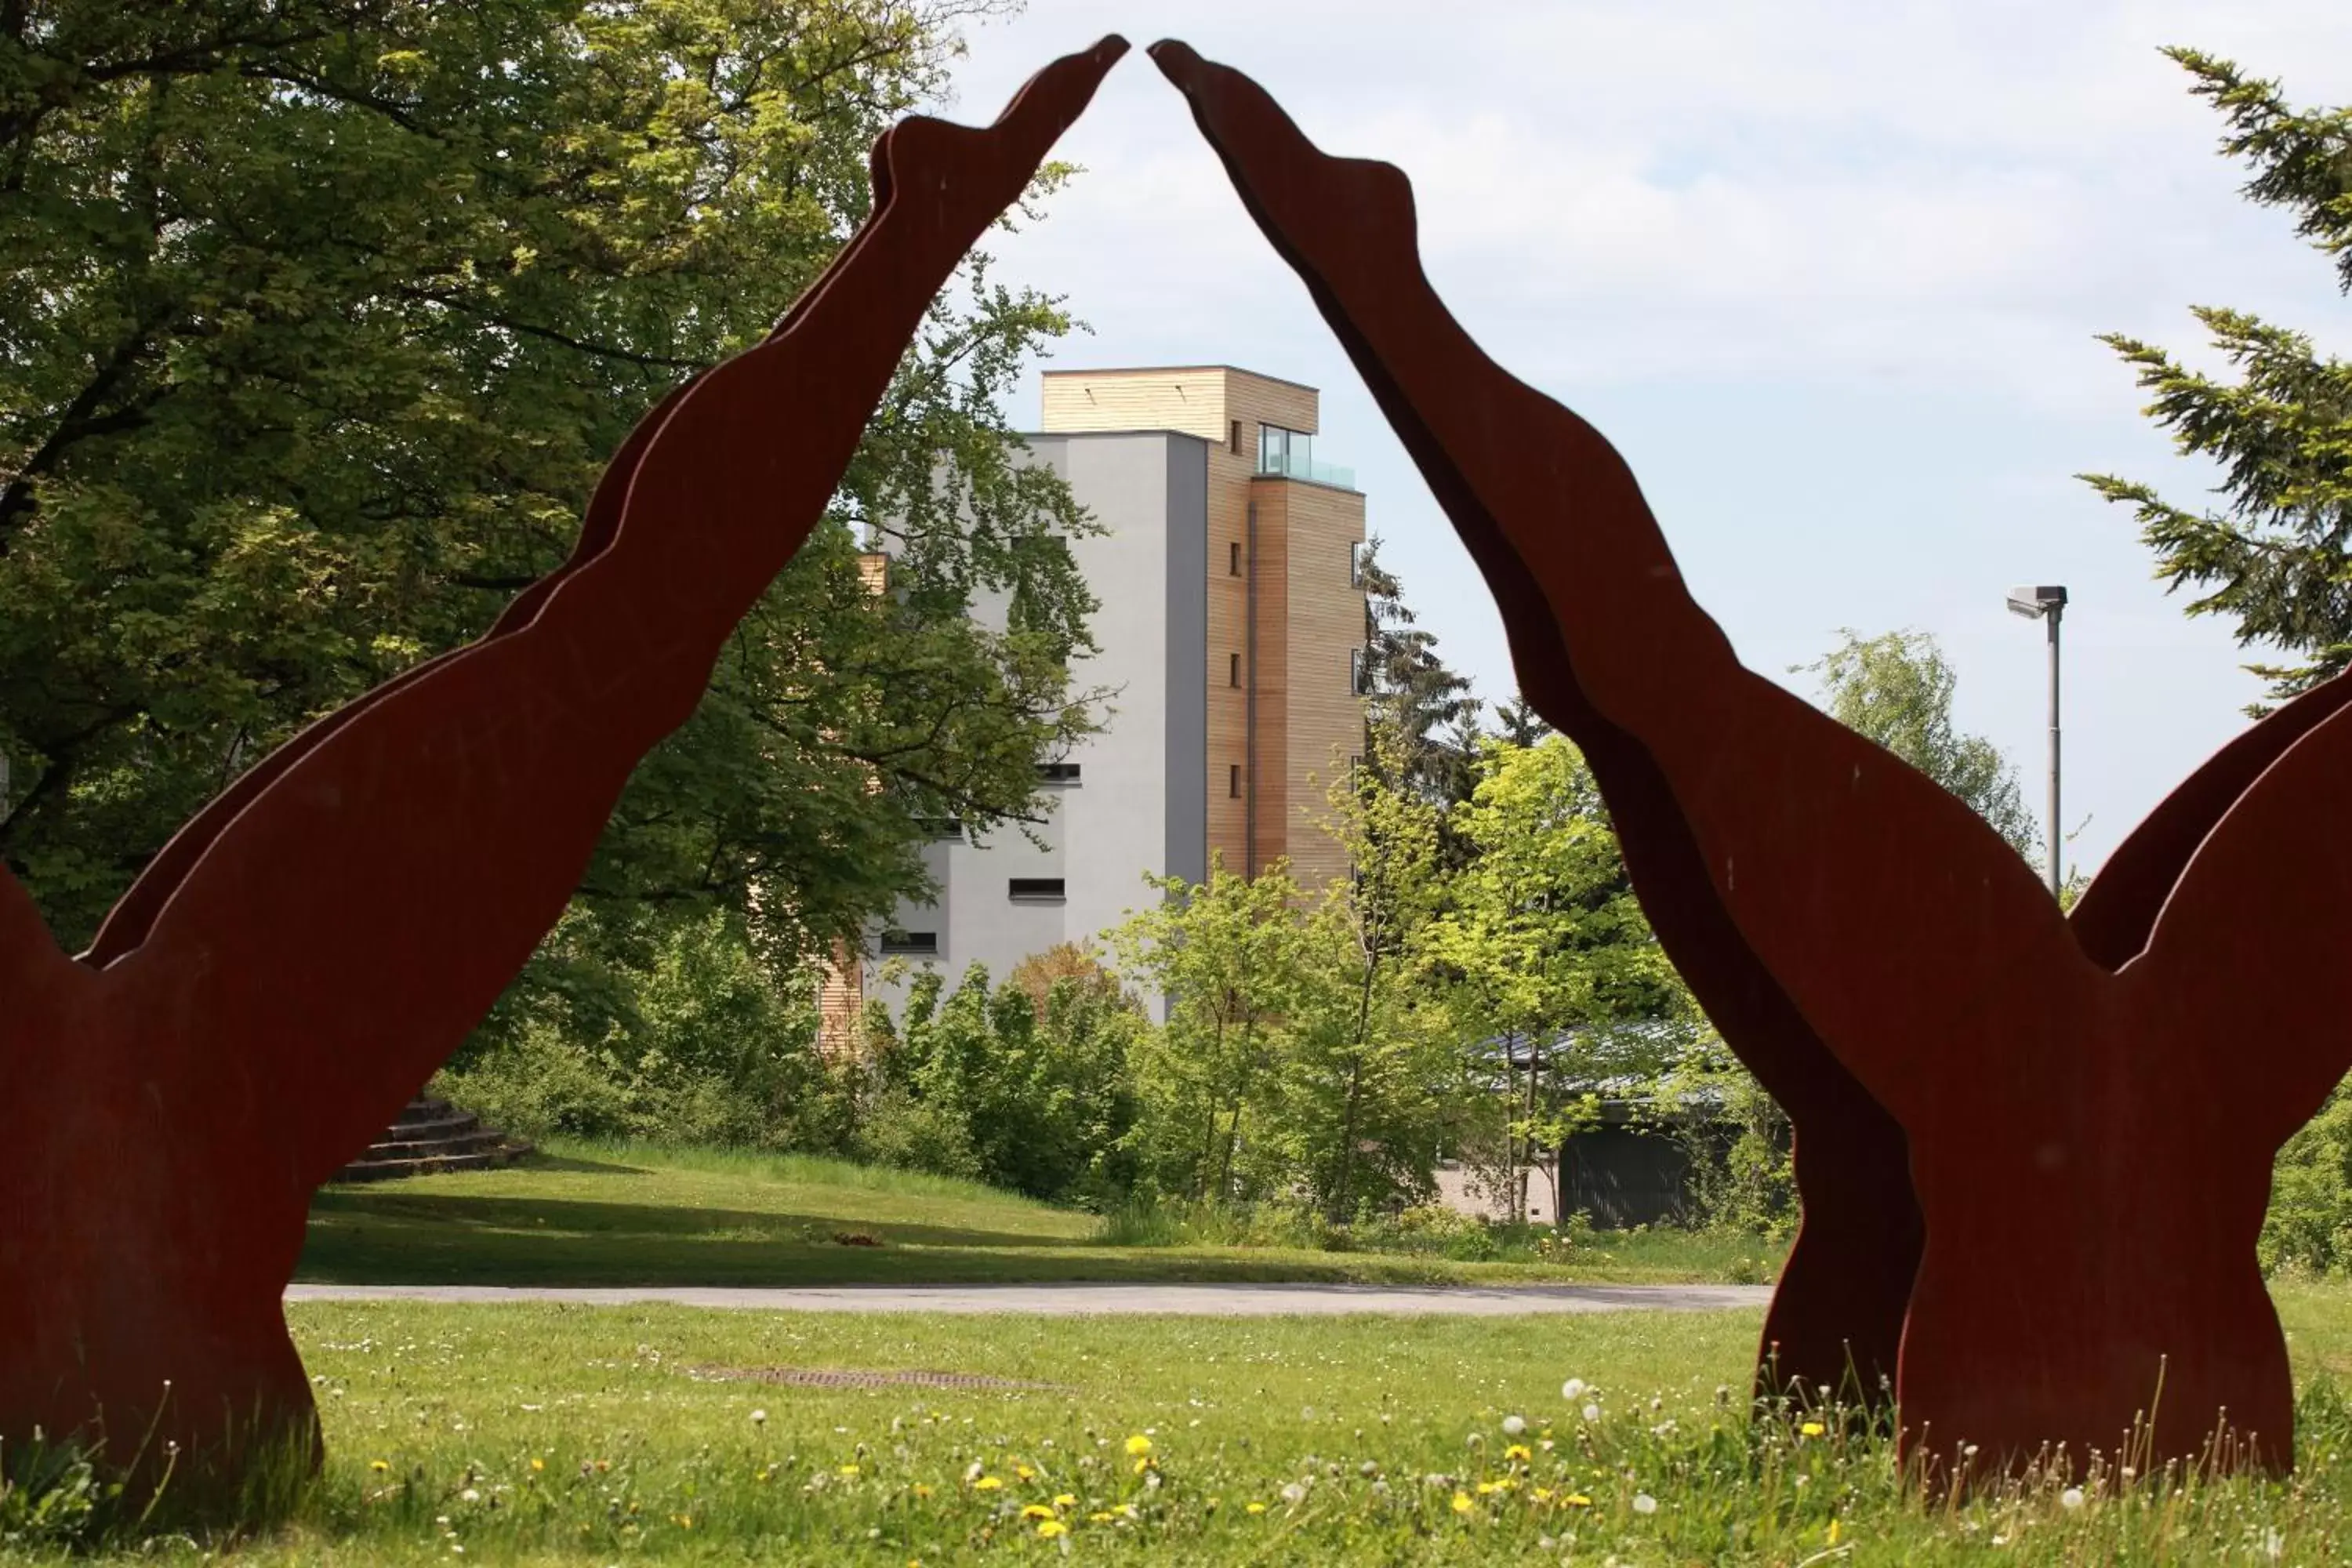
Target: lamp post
2047	603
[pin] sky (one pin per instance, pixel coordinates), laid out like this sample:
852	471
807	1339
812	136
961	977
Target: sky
1829	274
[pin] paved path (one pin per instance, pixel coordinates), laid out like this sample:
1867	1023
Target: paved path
1081	1300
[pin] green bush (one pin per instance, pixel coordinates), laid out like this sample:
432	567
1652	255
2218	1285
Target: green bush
2309	1227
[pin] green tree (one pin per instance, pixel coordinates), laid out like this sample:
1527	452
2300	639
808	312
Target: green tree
2277	557
1413	692
1896	690
1365	1078
1545	947
318	321
1224	954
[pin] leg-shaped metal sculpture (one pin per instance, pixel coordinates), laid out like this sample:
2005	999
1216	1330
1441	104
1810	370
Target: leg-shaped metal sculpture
2088	1149
330	942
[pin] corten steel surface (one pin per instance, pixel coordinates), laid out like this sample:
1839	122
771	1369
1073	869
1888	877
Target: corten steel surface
2091	1110
301	959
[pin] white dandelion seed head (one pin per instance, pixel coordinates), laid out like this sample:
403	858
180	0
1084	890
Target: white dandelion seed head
2071	1499
1592	1413
1514	1425
1644	1503
1572	1389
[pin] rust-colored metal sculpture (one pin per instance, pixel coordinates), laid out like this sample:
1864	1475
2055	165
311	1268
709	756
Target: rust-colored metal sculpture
2091	1110
305	953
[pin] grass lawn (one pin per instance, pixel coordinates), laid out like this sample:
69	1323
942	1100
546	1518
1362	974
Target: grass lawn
605	1436
592	1214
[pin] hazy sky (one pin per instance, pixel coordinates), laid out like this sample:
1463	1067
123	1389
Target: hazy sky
1828	274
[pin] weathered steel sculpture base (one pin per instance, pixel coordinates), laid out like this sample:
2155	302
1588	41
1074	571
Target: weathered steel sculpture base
2091	1109
307	951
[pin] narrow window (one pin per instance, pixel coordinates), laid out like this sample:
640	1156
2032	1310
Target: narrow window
1234	780
1234	559
911	943
1355	563
1232	670
1359	680
1033	889
1058	773
1237	437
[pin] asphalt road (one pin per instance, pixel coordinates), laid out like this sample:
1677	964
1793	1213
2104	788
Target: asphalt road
1088	1301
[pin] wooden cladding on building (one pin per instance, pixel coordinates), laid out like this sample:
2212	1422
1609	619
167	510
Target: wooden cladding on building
1206	401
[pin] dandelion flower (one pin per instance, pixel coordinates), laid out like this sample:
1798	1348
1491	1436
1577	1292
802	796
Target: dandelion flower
1036	1511
986	1484
1518	1451
1253	1507
1294	1494
850	1471
469	1495
1592	1413
379	1466
1064	1500
1834	1532
1572	1389
1104	1515
1024	1472
1488	1489
2071	1499
1138	1446
1143	1464
1542	1494
1811	1429
922	1489
1462	1504
1514	1425
758	1419
1577	1500
1644	1503
1050	1528
537	1464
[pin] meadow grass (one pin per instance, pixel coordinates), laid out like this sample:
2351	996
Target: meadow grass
638	1214
538	1434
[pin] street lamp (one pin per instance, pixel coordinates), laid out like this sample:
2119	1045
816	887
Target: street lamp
2047	601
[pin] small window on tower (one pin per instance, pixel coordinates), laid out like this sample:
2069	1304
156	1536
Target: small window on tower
1232	670
1234	559
1236	437
1359	682
1234	780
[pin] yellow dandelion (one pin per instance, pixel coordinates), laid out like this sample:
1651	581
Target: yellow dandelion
538	1464
1050	1528
1542	1494
684	1521
1100	1517
1834	1532
1143	1464
1064	1500
1462	1504
922	1489
762	1473
1577	1500
1253	1507
1139	1444
849	1470
1024	1472
1518	1451
1813	1429
986	1484
1036	1511
379	1466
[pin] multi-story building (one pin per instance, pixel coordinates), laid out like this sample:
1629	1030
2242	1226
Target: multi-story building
1231	630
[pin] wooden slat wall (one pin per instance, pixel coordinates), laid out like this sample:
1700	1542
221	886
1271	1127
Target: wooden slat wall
1325	618
1228	706
1269	781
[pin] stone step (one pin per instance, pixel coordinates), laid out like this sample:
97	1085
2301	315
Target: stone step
371	1169
433	1135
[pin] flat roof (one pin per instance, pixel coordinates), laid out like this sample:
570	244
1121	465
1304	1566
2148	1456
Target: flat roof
1095	435
1172	369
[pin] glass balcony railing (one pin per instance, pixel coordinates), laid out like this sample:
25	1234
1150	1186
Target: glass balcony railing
1291	454
1299	466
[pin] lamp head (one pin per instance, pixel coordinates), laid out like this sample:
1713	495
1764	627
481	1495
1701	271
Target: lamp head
2034	603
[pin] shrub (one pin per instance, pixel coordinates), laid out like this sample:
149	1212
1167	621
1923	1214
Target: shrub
2309	1227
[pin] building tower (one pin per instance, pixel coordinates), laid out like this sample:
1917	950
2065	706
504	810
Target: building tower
1230	627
